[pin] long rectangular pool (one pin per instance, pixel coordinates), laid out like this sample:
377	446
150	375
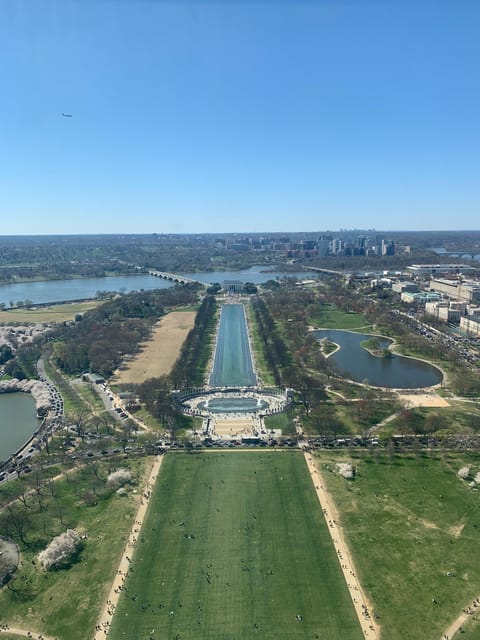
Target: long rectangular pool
233	364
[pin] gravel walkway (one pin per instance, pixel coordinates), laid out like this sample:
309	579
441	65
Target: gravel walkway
110	605
363	608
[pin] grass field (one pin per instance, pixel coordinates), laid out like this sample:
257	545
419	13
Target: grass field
65	604
262	370
53	313
409	522
471	630
329	317
235	546
283	421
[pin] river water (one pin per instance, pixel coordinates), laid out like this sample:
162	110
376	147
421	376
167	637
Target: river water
17	411
356	363
18	421
83	288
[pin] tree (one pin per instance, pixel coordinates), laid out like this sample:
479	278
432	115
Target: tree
60	550
119	478
249	287
6	353
15	523
214	288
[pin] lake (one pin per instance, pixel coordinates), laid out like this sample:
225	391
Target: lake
354	362
18	421
83	288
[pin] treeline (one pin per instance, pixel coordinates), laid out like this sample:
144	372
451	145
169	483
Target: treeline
57	257
380	263
188	370
275	350
292	353
156	395
99	340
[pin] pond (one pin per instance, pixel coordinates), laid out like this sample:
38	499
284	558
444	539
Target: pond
18	421
233	405
354	362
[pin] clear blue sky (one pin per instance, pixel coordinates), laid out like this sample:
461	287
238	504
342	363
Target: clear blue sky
239	116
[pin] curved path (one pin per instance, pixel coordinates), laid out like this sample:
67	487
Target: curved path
469	610
363	607
110	605
24	632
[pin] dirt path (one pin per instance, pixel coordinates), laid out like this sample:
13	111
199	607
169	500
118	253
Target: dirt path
24	632
103	623
363	607
424	399
469	610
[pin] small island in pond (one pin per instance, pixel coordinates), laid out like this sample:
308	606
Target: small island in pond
377	348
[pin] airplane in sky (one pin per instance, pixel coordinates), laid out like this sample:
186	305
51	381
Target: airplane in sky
67	115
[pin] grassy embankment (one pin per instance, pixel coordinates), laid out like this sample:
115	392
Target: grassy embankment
51	313
262	368
410	521
236	546
65	604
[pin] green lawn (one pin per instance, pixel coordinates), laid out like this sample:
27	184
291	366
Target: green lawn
257	346
409	522
65	604
471	630
52	313
329	317
283	421
235	546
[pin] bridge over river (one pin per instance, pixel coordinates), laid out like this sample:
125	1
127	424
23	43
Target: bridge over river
175	277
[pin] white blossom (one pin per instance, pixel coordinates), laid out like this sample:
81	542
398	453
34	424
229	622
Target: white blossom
119	478
37	388
464	472
346	470
60	549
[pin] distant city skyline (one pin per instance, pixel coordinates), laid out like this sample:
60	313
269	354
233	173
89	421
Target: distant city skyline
247	117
